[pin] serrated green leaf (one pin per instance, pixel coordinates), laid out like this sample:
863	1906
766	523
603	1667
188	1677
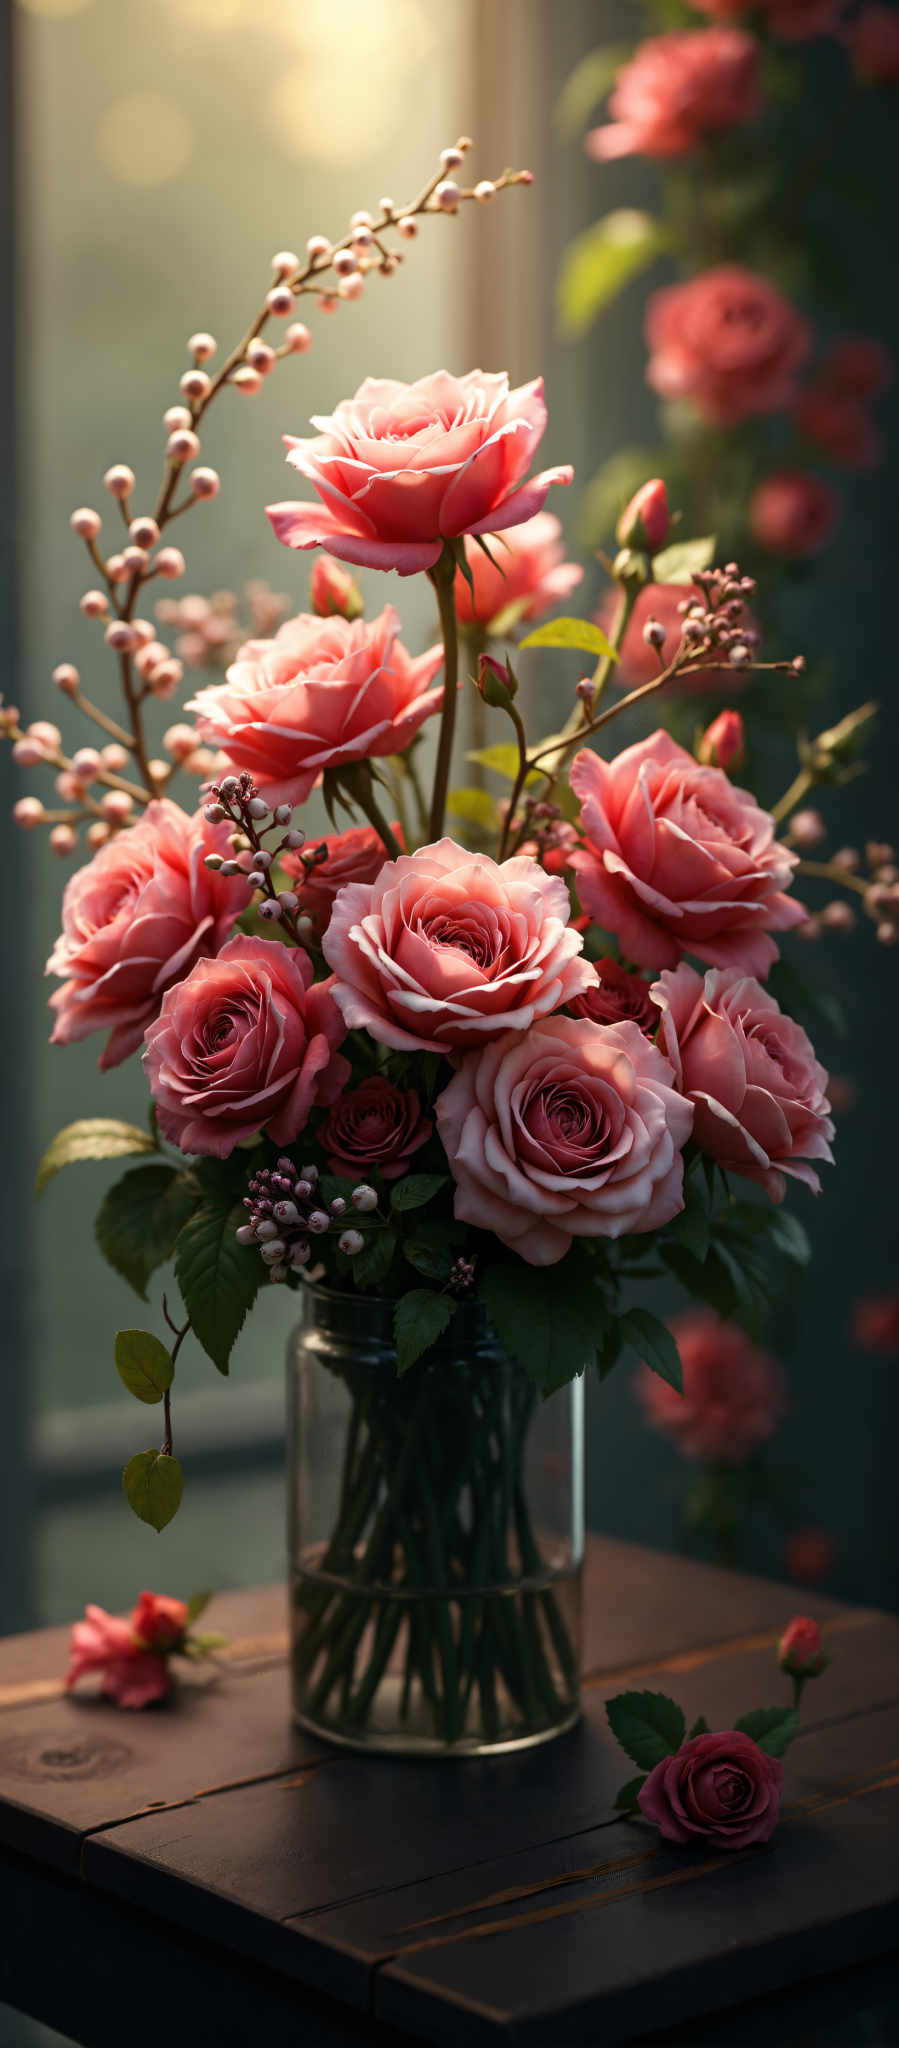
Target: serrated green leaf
373	1263
589	82
581	634
476	806
143	1364
153	1483
626	1800
600	262
415	1189
700	1727
139	1220
219	1278
653	1342
773	1728
91	1137
197	1605
419	1318
554	1333
680	562
648	1725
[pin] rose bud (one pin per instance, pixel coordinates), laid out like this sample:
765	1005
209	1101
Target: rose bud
644	523
800	1652
496	682
333	590
723	744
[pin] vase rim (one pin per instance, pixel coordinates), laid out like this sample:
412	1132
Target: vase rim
372	1314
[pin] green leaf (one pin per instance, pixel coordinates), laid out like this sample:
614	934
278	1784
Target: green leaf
373	1263
680	562
554	1331
648	1725
773	1728
153	1484
203	1645
197	1605
582	634
143	1364
700	1727
653	1342
590	80
691	1228
476	806
626	1800
790	1237
415	1189
502	759
420	1317
434	1260
599	263
139	1221
219	1278
91	1137
708	1279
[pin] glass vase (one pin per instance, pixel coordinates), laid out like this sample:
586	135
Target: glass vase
436	1535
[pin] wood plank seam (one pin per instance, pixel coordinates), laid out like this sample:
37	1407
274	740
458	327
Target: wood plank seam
291	1776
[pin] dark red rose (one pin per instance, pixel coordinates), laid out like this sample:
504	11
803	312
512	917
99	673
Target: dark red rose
719	1788
374	1128
619	998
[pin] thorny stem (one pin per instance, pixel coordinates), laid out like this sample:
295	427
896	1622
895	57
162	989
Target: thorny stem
443	577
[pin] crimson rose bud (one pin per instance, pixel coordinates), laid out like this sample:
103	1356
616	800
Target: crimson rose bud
645	521
496	682
800	1652
723	744
333	590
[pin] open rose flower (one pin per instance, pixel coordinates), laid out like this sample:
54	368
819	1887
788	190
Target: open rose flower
729	341
677	89
757	1089
130	1674
447	948
570	1130
354	856
321	694
528	572
618	998
640	663
246	1043
793	514
400	468
677	860
719	1789
134	920
733	1394
374	1128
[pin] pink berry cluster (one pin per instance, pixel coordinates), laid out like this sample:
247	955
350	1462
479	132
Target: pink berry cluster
211	629
715	621
286	1213
235	800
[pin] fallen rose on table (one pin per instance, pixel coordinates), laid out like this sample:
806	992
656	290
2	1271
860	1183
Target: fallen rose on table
722	1786
133	1657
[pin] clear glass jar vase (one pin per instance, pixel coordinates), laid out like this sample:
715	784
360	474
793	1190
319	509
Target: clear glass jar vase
436	1535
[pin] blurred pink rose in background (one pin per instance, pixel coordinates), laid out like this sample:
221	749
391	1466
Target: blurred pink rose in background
733	1394
720	1789
793	514
402	467
810	1555
639	662
729	341
356	855
130	1674
678	88
873	39
528	571
875	1324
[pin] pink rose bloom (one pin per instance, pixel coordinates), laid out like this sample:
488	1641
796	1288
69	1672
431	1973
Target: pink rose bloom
530	572
618	998
678	860
374	1128
751	1074
129	1674
874	41
640	663
323	693
719	1789
134	920
793	514
677	89
247	1043
571	1129
795	20
447	948
354	856
729	341
157	1622
858	366
800	1651
402	467
733	1394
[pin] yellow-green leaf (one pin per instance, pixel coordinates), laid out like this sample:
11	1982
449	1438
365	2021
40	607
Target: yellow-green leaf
599	263
91	1137
581	634
476	806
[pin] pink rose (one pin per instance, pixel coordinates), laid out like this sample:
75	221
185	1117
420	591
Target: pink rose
677	860
354	856
640	663
134	920
246	1043
677	89
838	425
720	1789
571	1129
447	948
322	694
723	744
646	519
810	1555
332	590
800	1651
875	1324
618	998
793	514
157	1622
733	1394
373	1128
129	1674
729	341
874	41
751	1074
857	365
528	571
402	467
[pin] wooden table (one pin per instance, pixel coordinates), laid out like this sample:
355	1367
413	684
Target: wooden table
206	1872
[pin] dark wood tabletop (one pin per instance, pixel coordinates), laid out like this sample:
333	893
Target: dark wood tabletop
205	1871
